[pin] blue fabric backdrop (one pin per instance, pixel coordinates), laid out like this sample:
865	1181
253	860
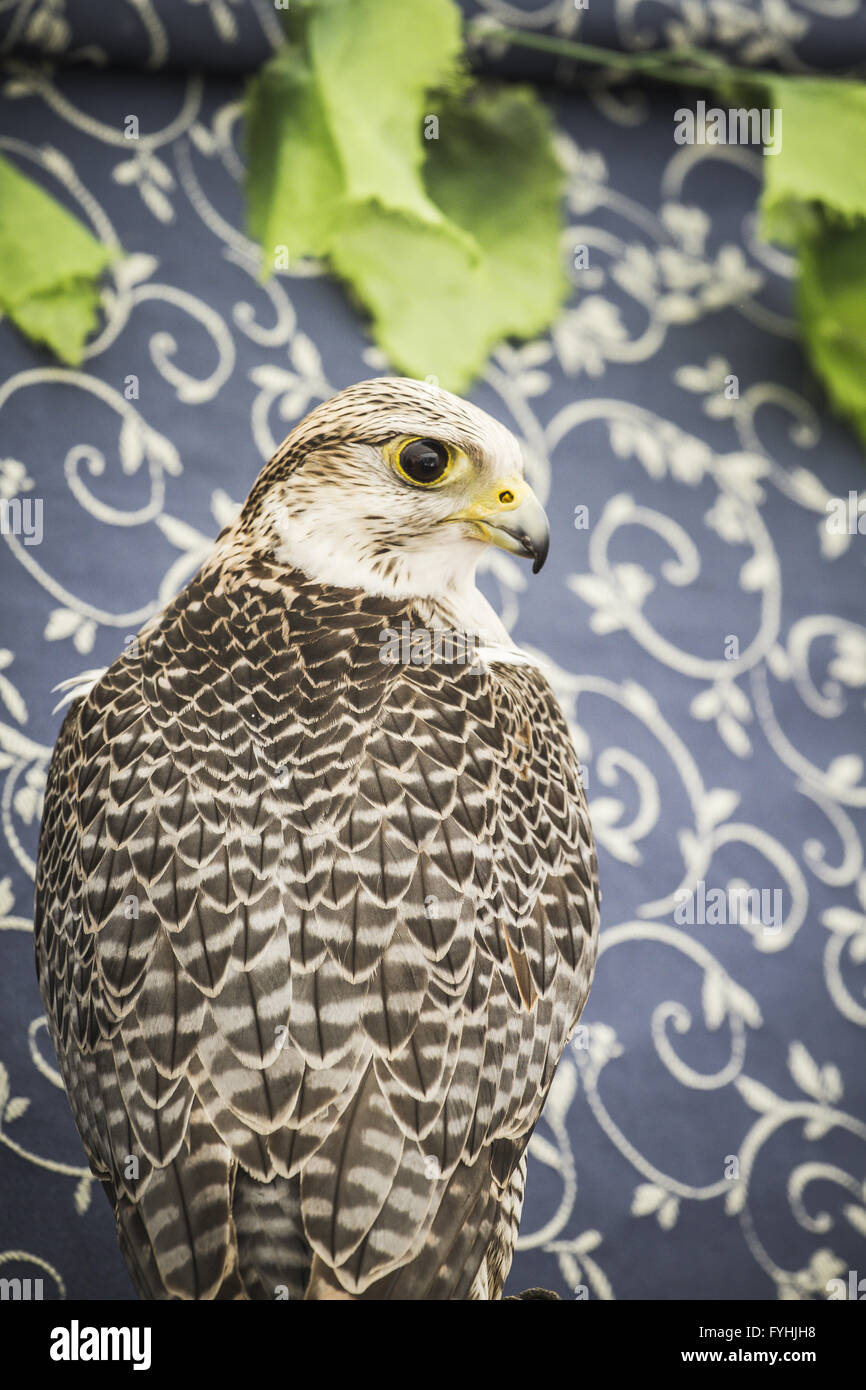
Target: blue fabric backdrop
704	627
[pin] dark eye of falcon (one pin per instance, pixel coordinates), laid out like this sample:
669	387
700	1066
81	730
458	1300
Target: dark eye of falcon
424	461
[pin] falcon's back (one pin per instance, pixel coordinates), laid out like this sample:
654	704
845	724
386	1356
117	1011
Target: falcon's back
312	930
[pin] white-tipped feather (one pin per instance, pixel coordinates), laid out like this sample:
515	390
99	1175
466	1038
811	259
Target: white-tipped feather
75	686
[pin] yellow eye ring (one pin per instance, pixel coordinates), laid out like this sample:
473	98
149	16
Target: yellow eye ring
423	462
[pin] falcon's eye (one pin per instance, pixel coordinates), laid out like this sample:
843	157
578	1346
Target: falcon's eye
424	461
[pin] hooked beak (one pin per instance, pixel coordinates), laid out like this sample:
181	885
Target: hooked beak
510	516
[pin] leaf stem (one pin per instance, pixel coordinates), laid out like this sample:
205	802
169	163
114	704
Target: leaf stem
683	66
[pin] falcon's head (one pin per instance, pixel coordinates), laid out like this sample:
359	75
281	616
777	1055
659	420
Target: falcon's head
395	487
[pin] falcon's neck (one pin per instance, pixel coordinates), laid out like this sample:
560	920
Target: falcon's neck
438	583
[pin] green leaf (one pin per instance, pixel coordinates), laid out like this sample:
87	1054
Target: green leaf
437	310
823	121
295	186
815	198
336	120
814	195
63	319
832	301
450	242
373	69
49	267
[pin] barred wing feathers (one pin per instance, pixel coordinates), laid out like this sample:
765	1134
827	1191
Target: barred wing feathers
312	930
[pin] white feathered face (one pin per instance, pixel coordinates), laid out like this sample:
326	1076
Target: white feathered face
396	487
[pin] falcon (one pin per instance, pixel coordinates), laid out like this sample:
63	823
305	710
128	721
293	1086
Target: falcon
316	894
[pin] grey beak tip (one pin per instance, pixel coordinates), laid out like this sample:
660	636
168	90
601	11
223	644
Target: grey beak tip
535	548
531	533
539	554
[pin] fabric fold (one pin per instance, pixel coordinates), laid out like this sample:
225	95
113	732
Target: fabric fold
237	36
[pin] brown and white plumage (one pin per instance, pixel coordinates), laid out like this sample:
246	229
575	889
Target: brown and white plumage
313	927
